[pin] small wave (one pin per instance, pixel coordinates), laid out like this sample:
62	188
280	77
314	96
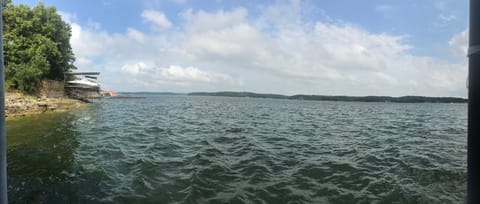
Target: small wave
234	130
179	149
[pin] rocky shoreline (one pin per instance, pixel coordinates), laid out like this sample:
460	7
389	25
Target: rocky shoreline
18	104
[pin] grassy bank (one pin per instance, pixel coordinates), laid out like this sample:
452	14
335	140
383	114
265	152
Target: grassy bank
18	104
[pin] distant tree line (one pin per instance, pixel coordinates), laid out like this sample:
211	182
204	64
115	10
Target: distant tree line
403	99
36	45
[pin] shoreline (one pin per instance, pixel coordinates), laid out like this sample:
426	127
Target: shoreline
19	105
401	99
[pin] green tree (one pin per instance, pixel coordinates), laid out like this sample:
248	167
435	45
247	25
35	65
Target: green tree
36	45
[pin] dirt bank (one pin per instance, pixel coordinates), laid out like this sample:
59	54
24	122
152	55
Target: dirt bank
18	104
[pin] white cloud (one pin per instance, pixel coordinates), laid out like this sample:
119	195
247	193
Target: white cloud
87	43
385	78
334	54
82	61
137	68
136	35
178	75
189	74
157	18
67	17
93	25
322	50
459	43
230	50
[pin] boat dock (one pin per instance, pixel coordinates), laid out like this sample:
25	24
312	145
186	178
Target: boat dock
82	85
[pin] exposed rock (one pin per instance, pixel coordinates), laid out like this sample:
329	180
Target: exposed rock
18	104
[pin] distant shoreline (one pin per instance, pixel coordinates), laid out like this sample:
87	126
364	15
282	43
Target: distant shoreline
402	99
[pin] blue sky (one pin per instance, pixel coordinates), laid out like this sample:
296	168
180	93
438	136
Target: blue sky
288	47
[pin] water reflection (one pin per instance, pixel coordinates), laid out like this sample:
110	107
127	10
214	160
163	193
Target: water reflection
41	162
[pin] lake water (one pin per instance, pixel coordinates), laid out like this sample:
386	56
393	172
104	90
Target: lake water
187	149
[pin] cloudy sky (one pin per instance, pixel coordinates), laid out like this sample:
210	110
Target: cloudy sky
339	47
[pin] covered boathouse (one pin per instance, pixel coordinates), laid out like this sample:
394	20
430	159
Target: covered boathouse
82	85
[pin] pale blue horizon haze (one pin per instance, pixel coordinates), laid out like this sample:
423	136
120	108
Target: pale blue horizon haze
392	48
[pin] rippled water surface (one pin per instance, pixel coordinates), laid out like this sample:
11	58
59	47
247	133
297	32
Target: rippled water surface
186	149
